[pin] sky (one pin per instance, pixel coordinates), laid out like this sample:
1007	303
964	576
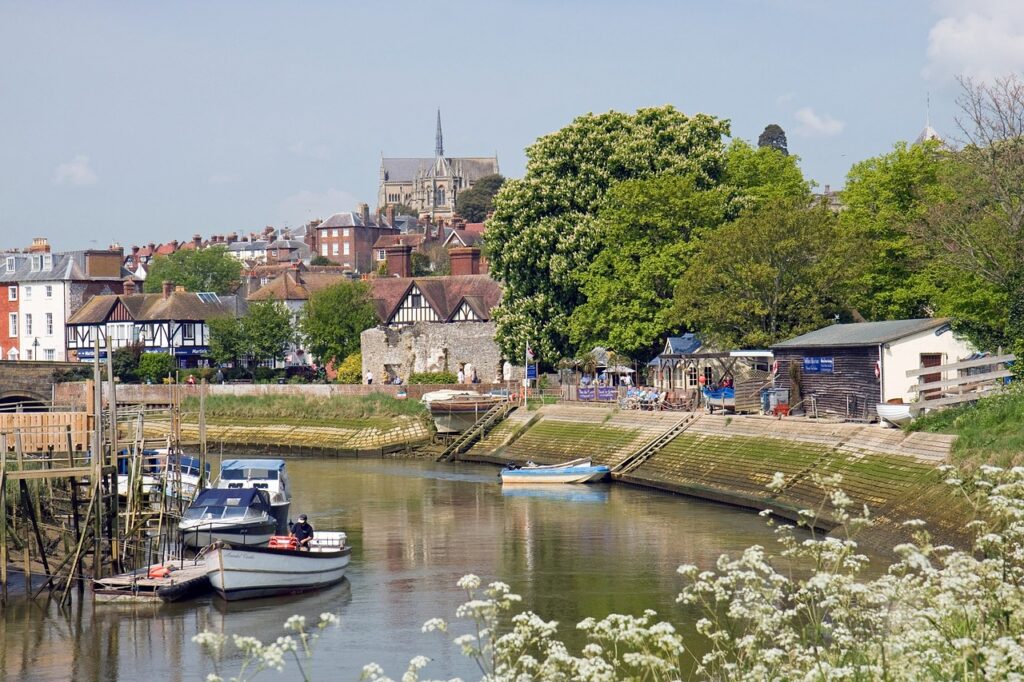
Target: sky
153	121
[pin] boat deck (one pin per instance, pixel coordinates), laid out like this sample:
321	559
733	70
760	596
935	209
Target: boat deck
187	578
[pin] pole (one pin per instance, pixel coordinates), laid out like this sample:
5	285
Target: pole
114	540
202	432
97	460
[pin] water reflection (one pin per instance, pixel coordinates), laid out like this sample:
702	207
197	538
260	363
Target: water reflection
415	527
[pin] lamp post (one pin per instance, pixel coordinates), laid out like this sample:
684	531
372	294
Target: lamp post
35	349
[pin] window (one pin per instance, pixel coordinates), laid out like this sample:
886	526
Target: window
12	293
28	293
28	324
344	232
264	281
12	324
691	375
416	301
334	232
323	249
49	291
10	264
188	332
49	324
334	248
346	249
51	354
382	254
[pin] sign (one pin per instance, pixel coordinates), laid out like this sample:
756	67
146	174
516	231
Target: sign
191	350
585	393
607	393
814	365
531	371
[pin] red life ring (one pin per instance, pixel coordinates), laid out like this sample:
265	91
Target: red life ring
775	367
702	380
878	369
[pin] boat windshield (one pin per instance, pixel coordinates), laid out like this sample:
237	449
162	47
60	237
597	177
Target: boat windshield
196	513
247	474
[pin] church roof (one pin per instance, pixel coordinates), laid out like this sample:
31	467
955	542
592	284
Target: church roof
927	134
471	168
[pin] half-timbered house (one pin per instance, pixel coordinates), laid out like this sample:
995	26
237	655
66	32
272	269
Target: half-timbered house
173	322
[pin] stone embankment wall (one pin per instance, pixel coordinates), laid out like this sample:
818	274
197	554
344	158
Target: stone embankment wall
732	459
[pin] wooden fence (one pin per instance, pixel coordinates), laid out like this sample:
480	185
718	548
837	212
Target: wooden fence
973	379
45	431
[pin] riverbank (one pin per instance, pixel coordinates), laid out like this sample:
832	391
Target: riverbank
732	459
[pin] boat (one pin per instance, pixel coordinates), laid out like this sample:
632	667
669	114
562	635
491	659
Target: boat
724	398
240	516
247	572
177	475
574	471
896	414
457	412
266	474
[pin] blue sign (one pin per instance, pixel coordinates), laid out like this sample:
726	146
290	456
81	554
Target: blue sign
585	393
814	365
531	371
607	393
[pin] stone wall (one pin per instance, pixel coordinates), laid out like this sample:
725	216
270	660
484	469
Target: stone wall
432	347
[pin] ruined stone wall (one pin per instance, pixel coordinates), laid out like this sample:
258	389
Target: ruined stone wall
432	347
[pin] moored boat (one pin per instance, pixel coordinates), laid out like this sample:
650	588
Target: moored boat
241	516
247	572
270	475
897	414
575	471
458	412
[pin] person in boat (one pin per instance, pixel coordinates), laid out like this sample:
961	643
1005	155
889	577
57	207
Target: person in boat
302	532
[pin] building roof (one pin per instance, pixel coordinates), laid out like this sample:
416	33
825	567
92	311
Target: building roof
470	168
296	285
67	267
349	219
863	333
463	237
444	294
385	240
180	305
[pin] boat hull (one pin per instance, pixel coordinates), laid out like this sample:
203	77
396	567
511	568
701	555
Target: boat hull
457	415
575	474
894	413
255	534
246	573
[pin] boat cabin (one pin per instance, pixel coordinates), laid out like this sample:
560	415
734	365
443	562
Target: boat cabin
215	504
266	474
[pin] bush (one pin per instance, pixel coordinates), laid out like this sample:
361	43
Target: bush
266	375
155	366
125	362
350	371
62	376
432	378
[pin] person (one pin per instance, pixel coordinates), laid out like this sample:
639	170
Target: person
219	378
369	377
302	532
191	379
462	376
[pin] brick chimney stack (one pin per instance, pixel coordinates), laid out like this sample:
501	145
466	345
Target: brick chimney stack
129	286
40	245
465	260
197	240
399	259
364	213
167	288
390	213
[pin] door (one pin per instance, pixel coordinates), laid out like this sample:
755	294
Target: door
931	360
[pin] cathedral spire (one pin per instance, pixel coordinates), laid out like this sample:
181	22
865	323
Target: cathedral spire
439	141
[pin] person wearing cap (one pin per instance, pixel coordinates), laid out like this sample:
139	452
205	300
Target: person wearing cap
302	532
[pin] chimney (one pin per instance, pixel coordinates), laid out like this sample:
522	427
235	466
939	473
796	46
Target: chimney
364	213
399	259
135	250
465	260
129	287
40	245
168	287
459	224
197	240
152	248
827	190
390	212
174	244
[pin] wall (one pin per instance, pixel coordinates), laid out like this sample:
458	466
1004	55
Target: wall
37	304
7	307
905	354
851	386
432	347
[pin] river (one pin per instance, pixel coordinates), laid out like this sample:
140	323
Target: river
415	528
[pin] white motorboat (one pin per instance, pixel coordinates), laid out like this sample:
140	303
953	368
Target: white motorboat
897	414
270	475
246	572
575	471
177	475
240	516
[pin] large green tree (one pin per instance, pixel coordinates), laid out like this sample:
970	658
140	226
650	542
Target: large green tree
775	272
476	202
210	269
333	319
542	234
267	330
227	340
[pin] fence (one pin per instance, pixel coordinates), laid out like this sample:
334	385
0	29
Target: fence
974	379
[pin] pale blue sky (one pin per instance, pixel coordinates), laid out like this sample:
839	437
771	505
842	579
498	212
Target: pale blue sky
137	122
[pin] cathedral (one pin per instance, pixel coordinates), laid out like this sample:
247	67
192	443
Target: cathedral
430	186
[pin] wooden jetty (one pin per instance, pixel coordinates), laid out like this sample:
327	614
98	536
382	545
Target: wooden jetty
185	578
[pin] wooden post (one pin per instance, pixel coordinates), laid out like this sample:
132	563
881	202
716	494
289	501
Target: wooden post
112	511
97	463
3	518
202	433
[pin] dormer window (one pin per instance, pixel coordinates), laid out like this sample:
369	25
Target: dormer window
47	261
10	264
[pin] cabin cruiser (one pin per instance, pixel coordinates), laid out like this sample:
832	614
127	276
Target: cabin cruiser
178	475
238	516
265	474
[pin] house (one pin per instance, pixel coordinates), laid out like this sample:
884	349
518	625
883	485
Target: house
849	368
347	238
433	324
49	288
418	242
173	321
10	338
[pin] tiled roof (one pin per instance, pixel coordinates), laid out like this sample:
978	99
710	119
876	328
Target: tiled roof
463	237
295	285
180	305
413	240
444	294
863	333
347	219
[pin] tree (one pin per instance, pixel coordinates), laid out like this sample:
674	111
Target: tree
773	137
763	174
646	232
227	340
476	202
155	367
419	264
350	371
770	274
886	198
405	209
210	269
267	330
334	317
980	222
321	260
125	362
541	236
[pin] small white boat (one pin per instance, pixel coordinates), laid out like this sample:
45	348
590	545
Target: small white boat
897	414
266	474
458	412
247	572
575	471
238	516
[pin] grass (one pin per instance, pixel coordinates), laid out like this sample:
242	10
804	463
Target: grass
990	431
377	409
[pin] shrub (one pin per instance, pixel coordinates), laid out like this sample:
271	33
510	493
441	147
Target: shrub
350	371
155	366
61	376
265	375
432	378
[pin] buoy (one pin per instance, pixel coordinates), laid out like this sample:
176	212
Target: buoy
159	572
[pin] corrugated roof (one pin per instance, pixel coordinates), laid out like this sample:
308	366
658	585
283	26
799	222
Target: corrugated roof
862	333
